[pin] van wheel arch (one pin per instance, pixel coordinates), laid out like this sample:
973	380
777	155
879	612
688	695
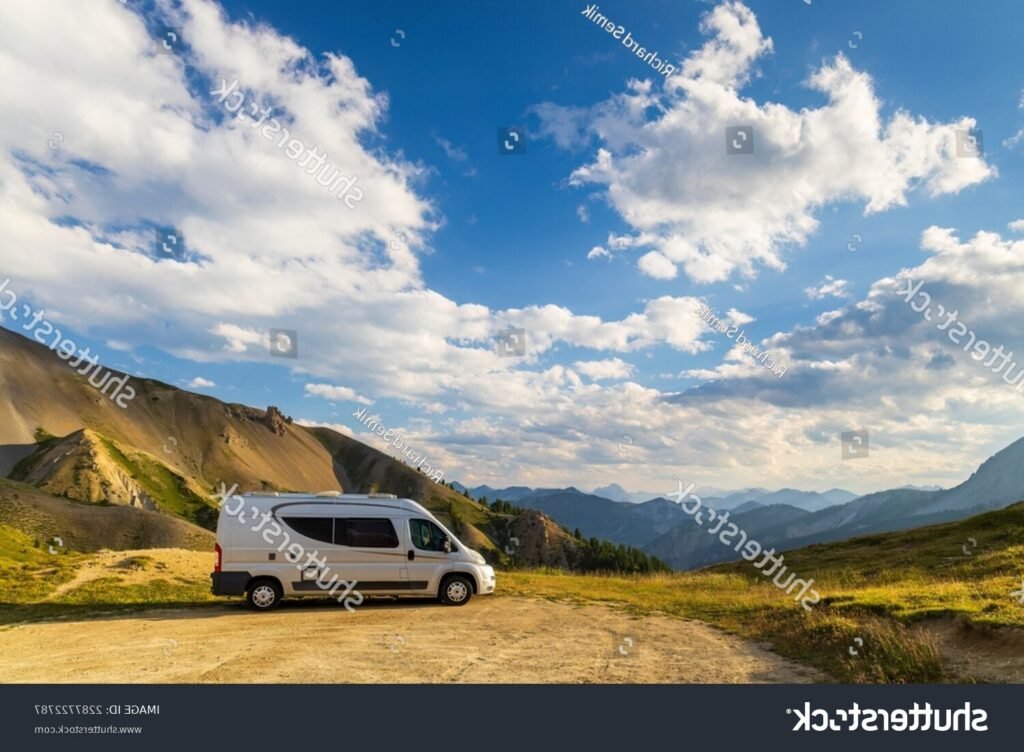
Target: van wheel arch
257	598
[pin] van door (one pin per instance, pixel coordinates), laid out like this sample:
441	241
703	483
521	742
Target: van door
427	559
314	534
369	551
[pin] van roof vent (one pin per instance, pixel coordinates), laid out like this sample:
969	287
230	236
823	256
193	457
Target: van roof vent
263	493
381	496
331	494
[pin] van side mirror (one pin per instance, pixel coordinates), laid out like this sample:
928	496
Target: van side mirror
447	545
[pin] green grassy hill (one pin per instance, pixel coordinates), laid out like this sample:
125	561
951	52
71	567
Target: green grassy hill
906	603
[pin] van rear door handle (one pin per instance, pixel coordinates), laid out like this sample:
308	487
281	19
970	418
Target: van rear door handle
412	554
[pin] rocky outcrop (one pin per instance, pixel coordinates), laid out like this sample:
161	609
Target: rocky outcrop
275	420
537	541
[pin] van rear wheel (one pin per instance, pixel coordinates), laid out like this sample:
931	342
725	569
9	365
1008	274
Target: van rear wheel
264	595
456	590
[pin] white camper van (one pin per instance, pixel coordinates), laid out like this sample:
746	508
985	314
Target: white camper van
271	546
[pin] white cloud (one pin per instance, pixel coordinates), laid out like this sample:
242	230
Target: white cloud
655	264
336	393
830	287
1016	226
598	252
453	152
597	370
564	125
264	246
200	383
716	214
1017	137
739	317
879	364
583	213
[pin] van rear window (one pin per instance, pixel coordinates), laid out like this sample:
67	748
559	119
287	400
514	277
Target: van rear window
317	528
367	532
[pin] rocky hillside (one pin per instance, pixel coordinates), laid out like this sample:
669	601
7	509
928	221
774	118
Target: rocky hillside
61	525
164	455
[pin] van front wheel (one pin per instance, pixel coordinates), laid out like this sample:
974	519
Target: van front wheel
456	590
264	595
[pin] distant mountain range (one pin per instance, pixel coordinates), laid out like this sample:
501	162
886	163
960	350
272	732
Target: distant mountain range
998	483
615	492
641	523
512	493
810	500
786	519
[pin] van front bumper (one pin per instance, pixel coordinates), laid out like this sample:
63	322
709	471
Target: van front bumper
229	583
487	580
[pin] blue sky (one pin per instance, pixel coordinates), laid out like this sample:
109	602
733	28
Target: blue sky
642	395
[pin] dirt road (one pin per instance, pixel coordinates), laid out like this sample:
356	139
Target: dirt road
499	640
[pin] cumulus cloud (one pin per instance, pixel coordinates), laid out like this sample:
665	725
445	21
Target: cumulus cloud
830	287
200	383
598	252
878	363
690	203
657	265
164	154
739	317
336	393
262	245
611	368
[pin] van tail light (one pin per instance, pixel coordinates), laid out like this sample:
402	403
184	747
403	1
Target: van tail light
220	557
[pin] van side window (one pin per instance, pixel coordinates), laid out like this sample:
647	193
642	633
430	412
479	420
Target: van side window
427	536
365	532
317	528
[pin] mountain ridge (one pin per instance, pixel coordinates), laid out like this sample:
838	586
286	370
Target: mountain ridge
167	451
